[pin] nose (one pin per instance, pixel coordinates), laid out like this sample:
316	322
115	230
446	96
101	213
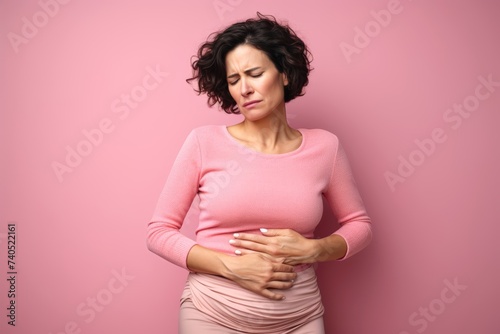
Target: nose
246	88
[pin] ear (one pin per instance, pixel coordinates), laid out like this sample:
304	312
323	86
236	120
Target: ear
284	78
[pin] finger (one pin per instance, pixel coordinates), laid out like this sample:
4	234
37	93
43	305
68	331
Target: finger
250	237
282	267
280	285
272	295
284	277
274	232
249	245
246	252
292	261
270	258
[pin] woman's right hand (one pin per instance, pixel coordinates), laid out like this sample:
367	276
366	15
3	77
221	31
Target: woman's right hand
260	273
257	272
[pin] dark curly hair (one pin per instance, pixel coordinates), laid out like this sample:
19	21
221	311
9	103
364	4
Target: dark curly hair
278	41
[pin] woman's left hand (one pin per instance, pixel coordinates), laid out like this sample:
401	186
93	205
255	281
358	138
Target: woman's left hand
279	243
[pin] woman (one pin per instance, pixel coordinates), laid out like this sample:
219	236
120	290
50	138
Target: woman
260	185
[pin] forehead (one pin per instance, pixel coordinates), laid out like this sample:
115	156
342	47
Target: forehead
245	56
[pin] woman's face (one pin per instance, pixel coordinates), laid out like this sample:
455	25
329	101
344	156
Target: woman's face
254	83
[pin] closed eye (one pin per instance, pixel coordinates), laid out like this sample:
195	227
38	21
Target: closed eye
256	75
232	83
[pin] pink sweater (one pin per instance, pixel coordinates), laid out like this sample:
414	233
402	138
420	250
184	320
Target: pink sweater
242	190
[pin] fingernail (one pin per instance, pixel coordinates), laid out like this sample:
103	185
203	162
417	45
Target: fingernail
236	235
237	252
231	241
263	230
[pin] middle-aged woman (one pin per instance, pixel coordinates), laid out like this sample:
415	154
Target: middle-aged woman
260	185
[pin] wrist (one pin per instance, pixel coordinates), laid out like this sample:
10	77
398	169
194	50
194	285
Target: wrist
207	261
227	266
332	247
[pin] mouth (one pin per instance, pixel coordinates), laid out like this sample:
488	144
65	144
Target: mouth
251	103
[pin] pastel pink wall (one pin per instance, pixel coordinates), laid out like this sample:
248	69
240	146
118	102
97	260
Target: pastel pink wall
390	78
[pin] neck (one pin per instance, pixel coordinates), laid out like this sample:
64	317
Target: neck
270	131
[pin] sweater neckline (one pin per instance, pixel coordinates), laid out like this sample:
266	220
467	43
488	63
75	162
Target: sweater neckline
267	155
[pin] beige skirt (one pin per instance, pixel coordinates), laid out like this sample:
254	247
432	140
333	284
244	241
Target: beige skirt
231	306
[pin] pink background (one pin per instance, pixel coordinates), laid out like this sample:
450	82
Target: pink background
77	232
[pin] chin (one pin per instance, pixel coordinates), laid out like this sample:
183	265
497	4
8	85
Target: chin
253	117
257	113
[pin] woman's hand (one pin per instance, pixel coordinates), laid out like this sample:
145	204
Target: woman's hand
260	273
289	246
285	244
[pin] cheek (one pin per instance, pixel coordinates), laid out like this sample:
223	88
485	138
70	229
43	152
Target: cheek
232	91
274	89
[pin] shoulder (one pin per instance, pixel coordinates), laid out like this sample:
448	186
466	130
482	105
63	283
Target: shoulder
207	130
206	137
321	137
204	132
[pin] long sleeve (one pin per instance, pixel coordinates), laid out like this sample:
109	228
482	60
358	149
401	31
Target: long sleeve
238	192
163	236
347	206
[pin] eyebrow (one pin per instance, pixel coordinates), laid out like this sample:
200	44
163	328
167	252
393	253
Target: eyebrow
246	71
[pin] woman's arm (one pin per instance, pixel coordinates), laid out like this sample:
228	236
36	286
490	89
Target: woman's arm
256	272
347	206
290	245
